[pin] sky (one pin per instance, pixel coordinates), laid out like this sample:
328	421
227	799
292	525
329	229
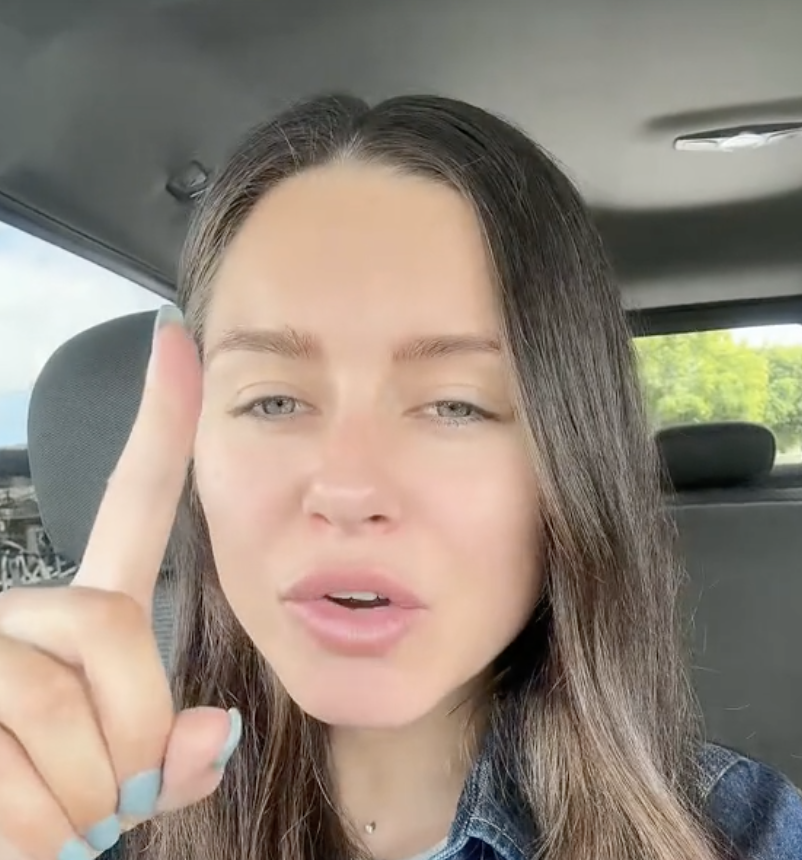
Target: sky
47	295
774	335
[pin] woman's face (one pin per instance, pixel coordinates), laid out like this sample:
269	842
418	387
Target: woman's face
358	437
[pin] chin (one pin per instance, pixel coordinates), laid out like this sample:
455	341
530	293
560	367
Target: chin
360	699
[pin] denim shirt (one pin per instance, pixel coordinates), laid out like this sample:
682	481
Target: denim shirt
756	808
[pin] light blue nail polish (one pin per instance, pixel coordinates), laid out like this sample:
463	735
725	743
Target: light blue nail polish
104	834
168	315
139	794
74	850
233	739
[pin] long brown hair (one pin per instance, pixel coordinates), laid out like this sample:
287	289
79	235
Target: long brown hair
596	708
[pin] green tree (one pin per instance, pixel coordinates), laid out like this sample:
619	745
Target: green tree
784	403
703	376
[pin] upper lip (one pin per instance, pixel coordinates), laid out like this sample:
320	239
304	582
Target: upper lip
321	583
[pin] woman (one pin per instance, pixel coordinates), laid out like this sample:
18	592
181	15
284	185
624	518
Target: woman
421	554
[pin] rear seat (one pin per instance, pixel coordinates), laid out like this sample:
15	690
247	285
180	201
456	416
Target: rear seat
742	543
741	540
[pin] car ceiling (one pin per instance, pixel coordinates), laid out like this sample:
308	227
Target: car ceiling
102	101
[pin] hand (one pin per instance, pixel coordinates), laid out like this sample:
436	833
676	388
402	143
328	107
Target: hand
89	741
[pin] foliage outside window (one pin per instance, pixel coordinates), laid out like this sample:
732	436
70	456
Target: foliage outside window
727	376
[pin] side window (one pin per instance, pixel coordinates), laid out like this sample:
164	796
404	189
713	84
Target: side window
747	374
47	296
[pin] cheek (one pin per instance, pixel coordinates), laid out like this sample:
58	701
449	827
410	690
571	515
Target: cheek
488	512
245	491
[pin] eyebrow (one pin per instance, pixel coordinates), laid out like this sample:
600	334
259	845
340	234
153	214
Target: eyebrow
291	343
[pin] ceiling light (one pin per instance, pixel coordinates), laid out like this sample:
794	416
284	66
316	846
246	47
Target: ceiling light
739	138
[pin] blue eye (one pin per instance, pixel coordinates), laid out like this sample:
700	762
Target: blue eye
459	412
451	412
278	406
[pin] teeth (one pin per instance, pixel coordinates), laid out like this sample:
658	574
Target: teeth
367	596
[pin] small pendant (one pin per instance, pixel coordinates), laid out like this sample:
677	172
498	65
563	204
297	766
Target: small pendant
370	827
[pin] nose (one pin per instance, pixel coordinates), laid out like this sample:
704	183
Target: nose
351	489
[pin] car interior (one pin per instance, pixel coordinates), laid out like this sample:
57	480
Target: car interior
681	124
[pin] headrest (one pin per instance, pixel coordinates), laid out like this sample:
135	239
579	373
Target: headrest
14	463
716	455
81	412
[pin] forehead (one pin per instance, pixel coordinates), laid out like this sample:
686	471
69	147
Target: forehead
357	246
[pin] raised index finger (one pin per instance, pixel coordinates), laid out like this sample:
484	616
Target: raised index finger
136	515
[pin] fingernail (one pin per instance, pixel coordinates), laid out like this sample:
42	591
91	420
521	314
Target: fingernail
74	850
233	739
168	315
139	794
105	834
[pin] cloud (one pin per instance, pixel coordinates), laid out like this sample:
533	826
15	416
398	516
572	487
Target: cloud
47	295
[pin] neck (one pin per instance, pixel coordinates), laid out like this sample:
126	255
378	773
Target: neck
406	781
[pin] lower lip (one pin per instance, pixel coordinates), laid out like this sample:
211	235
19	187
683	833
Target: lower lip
354	632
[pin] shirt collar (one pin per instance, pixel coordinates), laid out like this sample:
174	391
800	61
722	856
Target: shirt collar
492	811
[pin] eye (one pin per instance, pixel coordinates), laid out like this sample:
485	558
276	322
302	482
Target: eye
277	406
458	412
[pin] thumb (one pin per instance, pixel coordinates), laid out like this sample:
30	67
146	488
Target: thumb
201	743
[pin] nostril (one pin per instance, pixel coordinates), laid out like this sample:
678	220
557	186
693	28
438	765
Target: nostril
348	507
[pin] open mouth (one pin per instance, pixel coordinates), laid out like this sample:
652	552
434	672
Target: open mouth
358	599
355	619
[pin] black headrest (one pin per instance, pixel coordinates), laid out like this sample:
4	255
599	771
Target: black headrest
14	463
716	455
81	412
